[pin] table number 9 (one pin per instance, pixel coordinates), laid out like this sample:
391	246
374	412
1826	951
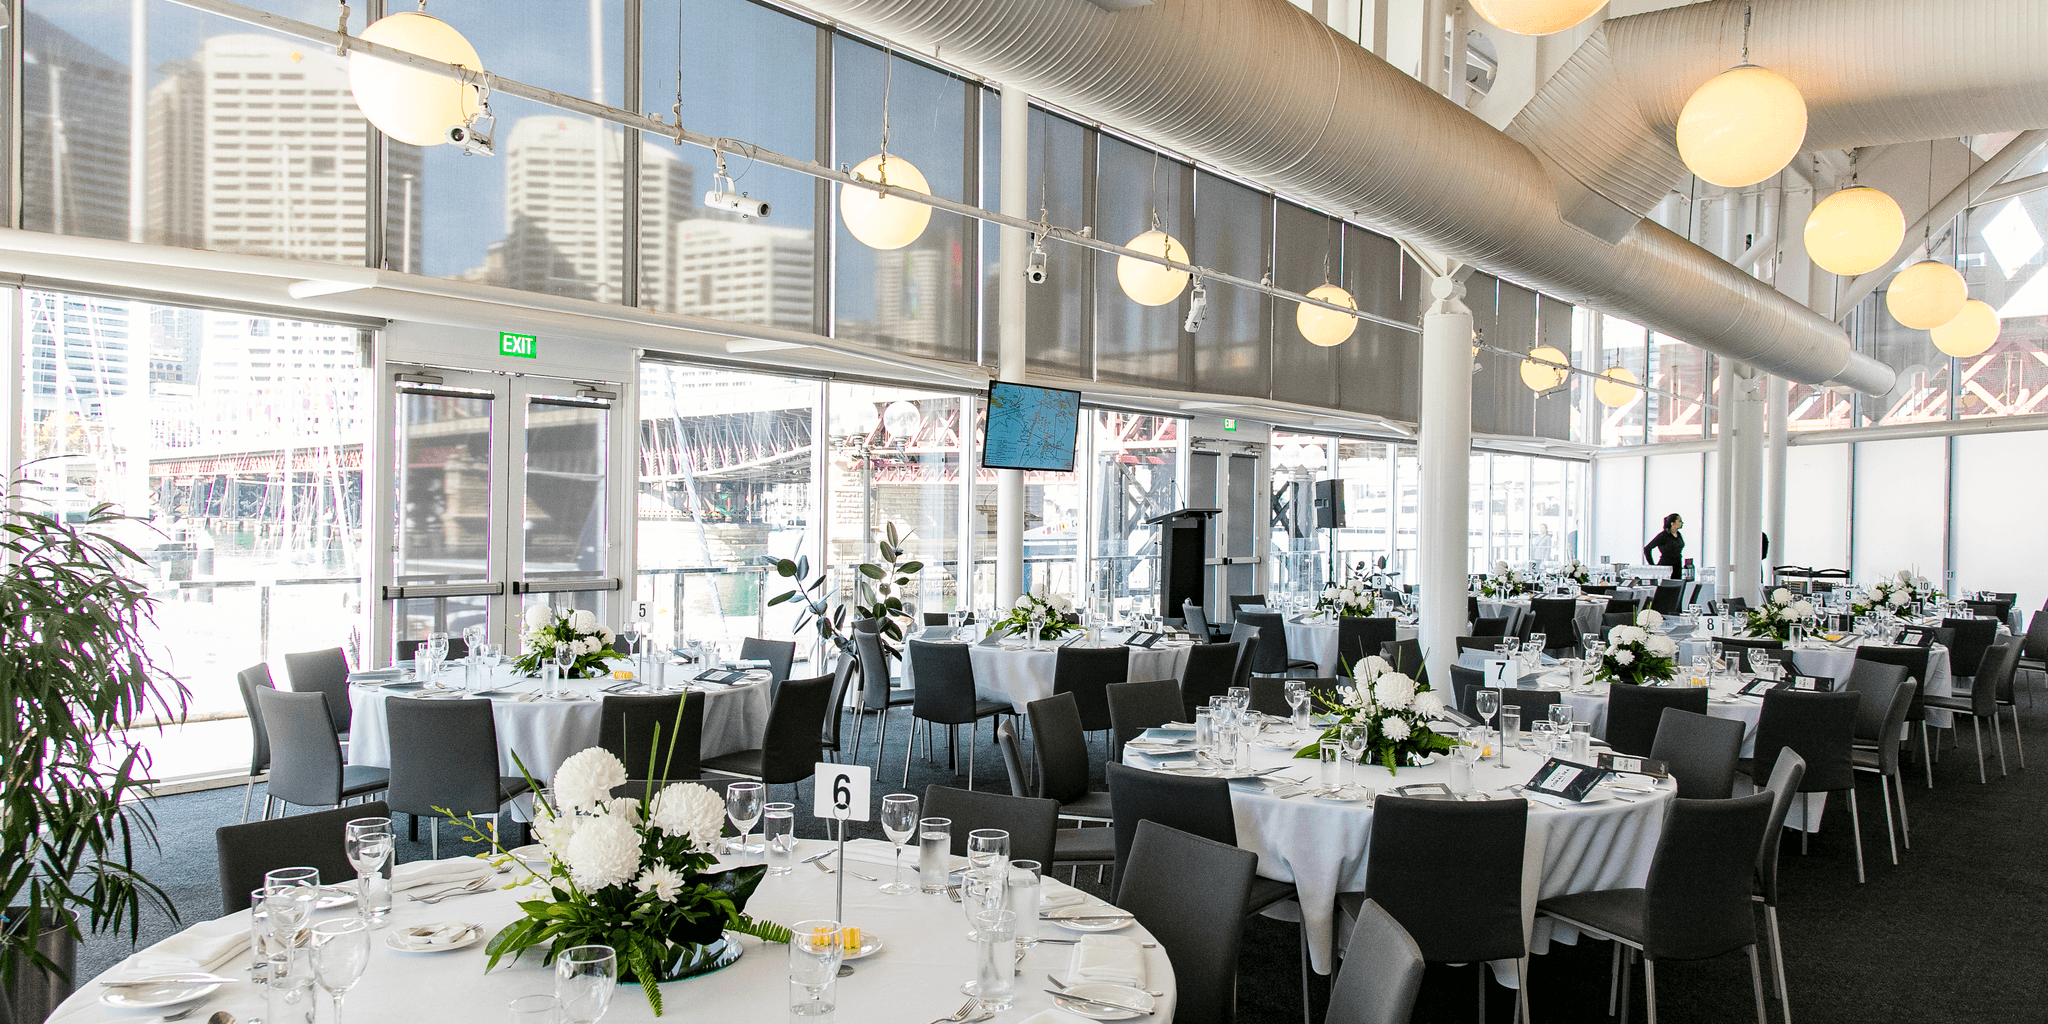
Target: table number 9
842	791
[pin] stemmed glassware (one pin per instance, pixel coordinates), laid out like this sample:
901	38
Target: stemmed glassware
293	891
1560	714
437	645
1487	702
584	979
1353	736
988	864
369	844
743	807
1297	698
565	659
341	949
814	954
899	822
490	656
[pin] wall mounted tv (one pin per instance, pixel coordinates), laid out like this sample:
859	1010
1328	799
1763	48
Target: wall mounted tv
1030	428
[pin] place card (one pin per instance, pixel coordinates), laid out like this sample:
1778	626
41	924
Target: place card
1503	672
1566	779
1635	765
724	677
1146	639
1426	791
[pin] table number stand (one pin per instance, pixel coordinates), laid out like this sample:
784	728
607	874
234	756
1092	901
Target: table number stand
841	794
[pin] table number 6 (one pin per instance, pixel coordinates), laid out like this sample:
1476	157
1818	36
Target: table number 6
842	791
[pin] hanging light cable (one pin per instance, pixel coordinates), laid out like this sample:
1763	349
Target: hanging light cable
1929	293
1146	282
1743	125
882	221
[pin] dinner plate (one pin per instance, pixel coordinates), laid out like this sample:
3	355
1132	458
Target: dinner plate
1349	796
151	997
1104	990
398	938
332	896
1060	916
870	944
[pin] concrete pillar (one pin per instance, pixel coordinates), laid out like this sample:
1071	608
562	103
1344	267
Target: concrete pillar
1011	254
1774	472
1746	484
1444	480
1714	542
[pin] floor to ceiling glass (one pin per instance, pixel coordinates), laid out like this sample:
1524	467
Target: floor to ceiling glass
1137	477
895	460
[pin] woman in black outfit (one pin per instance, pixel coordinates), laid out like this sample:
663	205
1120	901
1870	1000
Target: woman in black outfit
1667	548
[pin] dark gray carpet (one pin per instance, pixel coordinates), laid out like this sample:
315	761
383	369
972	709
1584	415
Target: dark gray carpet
1952	933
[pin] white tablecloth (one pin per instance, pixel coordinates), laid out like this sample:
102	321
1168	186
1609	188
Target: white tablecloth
1012	672
1320	845
1316	640
1831	662
545	731
915	977
1585	618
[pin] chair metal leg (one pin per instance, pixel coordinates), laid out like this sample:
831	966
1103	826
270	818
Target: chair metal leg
860	726
1905	824
1628	964
1926	755
1614	979
2019	744
1856	826
1306	1017
1650	989
972	735
1998	733
433	838
1977	729
1778	961
1522	987
1482	992
909	749
1805	820
248	794
1756	980
1884	781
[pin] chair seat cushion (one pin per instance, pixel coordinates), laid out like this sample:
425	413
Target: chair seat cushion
901	695
356	780
985	708
1265	893
510	786
1617	912
1084	846
1864	757
1951	703
740	762
1093	805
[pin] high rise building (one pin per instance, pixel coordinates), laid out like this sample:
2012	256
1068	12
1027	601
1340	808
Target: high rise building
74	135
745	272
915	296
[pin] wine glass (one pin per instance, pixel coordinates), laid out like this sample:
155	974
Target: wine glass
1474	745
1487	702
341	949
1560	714
369	843
491	656
584	979
1297	698
899	820
743	806
438	643
565	659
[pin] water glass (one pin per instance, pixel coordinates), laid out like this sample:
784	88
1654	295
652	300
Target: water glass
1461	778
1240	697
1352	736
294	891
1248	734
341	949
899	823
1510	729
1582	742
934	853
778	832
288	989
995	974
1025	880
565	662
540	1009
988	848
1332	752
814	953
584	979
1560	714
1205	732
1297	698
260	931
743	808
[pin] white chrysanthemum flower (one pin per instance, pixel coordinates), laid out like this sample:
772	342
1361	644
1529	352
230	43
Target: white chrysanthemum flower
1662	646
1329	593
583	620
1500	566
604	851
1623	635
665	882
1905	576
552	831
1428	704
1395	728
586	778
1899	599
1649	619
606	635
1802	609
1374	667
1393	690
538	616
1624	657
1023	601
687	809
622	806
1039	590
1781	596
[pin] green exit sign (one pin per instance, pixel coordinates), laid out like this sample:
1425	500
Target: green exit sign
523	346
1229	424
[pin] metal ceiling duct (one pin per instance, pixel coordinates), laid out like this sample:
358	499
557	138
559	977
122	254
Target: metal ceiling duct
1261	89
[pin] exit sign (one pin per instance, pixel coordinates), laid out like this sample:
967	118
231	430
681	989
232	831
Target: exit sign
523	346
1229	424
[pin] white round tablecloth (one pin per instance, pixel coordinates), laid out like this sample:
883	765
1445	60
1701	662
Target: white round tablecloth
915	977
1585	618
1010	671
1316	640
1831	662
546	731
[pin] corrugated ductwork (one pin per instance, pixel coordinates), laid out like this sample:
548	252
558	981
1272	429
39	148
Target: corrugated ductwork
1260	89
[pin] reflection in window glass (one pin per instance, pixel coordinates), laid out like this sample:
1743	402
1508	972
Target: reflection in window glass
1137	464
896	461
2003	256
1684	371
1921	393
1298	553
1367	471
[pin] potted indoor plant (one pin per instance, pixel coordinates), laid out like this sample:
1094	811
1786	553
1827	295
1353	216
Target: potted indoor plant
73	675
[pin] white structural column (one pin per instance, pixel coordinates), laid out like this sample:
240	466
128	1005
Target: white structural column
1774	472
1714	548
1011	253
1445	481
1746	486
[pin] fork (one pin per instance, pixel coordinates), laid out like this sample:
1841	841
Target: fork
967	1009
820	865
184	1013
450	890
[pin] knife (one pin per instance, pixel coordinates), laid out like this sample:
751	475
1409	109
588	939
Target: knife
170	979
1104	1003
1088	917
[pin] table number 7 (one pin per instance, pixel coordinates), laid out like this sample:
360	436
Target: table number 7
842	791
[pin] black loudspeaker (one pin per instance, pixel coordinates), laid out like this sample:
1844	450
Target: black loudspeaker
1329	504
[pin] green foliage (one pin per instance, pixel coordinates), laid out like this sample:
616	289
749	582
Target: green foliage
73	674
878	594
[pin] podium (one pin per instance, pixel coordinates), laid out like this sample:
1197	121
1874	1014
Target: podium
1183	557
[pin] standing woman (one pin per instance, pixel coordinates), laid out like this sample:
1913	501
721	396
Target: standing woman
1668	547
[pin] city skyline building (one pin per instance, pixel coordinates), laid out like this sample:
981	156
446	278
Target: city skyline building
745	272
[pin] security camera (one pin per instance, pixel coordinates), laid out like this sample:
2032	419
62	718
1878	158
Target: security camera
1034	268
1198	310
741	204
472	141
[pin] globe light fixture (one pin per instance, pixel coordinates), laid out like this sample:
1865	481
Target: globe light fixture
1970	333
879	221
410	105
1536	17
1741	127
1617	390
1326	327
901	418
1926	295
1314	456
1855	231
1149	283
1540	377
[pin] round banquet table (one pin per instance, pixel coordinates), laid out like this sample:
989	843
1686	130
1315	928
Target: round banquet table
1832	662
916	976
1315	639
545	731
1319	845
1585	618
1011	671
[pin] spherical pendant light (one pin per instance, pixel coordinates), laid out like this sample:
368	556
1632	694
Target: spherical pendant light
1149	283
1326	327
1741	127
1540	377
1926	295
1615	395
1855	231
901	418
1970	333
885	222
409	105
1536	17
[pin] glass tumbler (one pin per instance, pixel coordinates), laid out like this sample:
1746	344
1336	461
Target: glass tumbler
934	853
995	962
778	830
814	953
1328	776
1025	885
1582	742
1510	729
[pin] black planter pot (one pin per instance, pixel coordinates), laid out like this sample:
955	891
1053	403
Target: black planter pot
36	993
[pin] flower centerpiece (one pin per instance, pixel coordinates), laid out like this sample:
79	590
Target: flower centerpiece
1355	596
632	873
1895	593
1054	610
1506	582
1576	572
1396	711
1637	655
1775	618
547	629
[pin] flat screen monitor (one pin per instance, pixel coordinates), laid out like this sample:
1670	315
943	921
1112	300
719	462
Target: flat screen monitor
1030	428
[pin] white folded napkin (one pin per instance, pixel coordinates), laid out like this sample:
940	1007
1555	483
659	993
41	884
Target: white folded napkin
207	947
1055	1016
1109	958
453	871
873	852
430	936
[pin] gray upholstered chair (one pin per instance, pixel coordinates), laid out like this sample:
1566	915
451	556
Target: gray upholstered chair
1634	712
1993	681
247	681
1211	671
1880	718
444	762
1821	728
251	850
1062	758
1176	883
1086	672
325	672
1783	786
1137	706
945	696
656	736
790	746
1700	751
875	693
1381	975
305	754
779	654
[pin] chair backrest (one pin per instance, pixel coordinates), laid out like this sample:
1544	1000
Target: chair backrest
1490	627
1464	683
1031	822
1198	807
1700	752
1627	605
2036	647
843	671
1609	620
1973	638
1875	681
1472	606
1086	672
1270	655
1247	639
1178	886
324	672
249	851
937	618
1784	782
1821	727
945	682
1193	618
1211	671
1137	706
1932	635
1381	976
874	669
1738	604
1554	618
247	680
1534	704
1913	660
1666	598
791	747
444	753
1061	746
1238	601
1739	649
305	761
1451	873
656	736
1358	636
779	654
1994	675
410	649
1013	760
1269	696
1697	903
1477	643
1406	657
1990	609
1633	713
